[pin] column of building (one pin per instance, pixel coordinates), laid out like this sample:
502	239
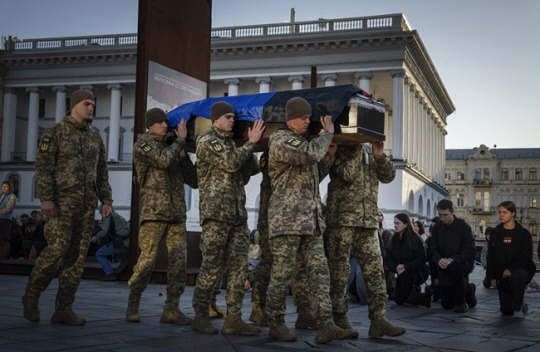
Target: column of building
9	124
114	122
232	84
264	84
363	80
33	123
329	79
397	114
296	81
60	102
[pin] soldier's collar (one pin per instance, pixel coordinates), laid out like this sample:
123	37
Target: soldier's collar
221	133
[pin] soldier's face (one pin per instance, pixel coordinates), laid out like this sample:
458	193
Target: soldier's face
300	124
83	110
225	122
159	128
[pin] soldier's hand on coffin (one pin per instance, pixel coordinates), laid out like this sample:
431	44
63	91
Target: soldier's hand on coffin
255	133
378	149
332	149
327	123
181	129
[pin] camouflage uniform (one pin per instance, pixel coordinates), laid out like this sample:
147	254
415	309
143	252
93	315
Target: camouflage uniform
299	284
223	170
161	173
296	224
353	223
71	171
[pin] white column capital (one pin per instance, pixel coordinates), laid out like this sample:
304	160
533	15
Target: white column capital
329	76
264	79
59	89
88	87
296	78
363	74
397	73
116	86
230	81
33	90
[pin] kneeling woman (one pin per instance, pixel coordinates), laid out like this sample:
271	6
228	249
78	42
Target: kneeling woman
406	256
509	261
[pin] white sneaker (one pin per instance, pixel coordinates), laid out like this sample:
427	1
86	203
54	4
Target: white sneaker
519	314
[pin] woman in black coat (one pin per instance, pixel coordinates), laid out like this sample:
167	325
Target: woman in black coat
406	256
509	261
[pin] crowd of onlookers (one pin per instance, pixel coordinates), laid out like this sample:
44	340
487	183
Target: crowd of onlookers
25	236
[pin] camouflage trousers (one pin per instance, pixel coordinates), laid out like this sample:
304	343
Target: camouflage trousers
299	283
364	244
286	251
150	236
222	244
68	237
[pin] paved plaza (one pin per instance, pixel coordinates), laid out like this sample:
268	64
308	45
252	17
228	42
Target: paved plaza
103	304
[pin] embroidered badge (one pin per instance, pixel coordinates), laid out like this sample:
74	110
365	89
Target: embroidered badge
44	145
507	240
293	141
145	147
216	145
337	162
262	162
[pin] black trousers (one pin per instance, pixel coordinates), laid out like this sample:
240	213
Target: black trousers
404	285
512	290
454	284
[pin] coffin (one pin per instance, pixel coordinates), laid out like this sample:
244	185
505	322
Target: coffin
357	117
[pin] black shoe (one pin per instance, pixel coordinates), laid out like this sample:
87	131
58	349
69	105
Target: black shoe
461	308
122	266
471	297
110	277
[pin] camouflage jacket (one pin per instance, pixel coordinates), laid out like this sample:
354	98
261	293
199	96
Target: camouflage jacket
71	164
223	170
161	173
354	186
266	189
295	204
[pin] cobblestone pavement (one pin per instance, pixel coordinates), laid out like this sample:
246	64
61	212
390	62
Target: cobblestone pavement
103	304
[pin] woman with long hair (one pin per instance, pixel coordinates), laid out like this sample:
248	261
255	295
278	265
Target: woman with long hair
420	229
407	258
509	261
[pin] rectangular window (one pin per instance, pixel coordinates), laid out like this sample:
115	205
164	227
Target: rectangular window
460	200
532	174
447	175
504	175
519	174
478	200
532	202
486	201
41	113
532	228
460	175
478	174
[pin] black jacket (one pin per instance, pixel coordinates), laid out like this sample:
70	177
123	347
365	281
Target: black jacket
414	259
454	241
509	250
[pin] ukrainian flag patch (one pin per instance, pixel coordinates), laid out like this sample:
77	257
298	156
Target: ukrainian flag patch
145	147
216	146
44	145
295	142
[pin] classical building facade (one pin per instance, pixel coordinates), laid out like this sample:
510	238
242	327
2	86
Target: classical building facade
479	179
381	54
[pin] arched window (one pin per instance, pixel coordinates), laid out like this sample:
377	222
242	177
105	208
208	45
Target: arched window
519	174
532	174
420	205
411	202
482	227
15	181
504	175
429	208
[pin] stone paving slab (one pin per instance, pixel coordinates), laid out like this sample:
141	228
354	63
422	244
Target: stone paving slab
103	304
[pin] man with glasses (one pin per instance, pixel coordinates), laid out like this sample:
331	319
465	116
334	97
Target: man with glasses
453	251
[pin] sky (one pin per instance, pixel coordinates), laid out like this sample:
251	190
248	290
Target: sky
485	51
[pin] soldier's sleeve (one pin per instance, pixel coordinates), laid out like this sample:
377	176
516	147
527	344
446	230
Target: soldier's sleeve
189	172
386	172
102	181
212	152
325	165
9	206
348	165
295	151
251	168
45	165
160	158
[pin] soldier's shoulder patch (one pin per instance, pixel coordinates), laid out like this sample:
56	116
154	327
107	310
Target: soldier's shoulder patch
337	161
145	147
45	144
295	142
215	145
262	162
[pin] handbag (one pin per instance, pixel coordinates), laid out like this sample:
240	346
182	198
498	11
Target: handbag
419	298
